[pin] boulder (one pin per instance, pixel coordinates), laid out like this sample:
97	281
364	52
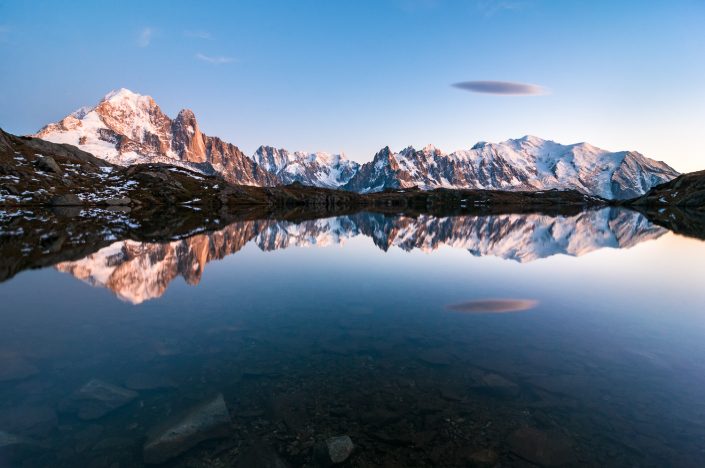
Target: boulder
207	420
499	385
48	164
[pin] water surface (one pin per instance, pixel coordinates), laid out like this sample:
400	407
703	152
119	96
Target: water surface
446	341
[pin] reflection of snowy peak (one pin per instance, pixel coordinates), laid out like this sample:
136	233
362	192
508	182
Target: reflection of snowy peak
527	163
127	128
136	271
317	169
522	238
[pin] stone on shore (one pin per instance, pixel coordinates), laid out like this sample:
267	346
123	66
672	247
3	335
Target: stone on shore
48	164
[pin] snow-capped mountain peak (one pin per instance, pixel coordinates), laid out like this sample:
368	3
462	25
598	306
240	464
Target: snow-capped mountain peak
129	128
526	163
532	140
123	93
320	169
430	149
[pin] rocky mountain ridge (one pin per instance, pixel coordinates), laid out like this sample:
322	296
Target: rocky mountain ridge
528	163
127	128
315	169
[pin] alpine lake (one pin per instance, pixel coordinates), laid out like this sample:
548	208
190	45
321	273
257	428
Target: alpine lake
359	340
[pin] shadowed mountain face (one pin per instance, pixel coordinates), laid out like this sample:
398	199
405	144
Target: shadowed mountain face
139	271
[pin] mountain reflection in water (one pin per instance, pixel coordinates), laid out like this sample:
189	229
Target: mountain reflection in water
139	271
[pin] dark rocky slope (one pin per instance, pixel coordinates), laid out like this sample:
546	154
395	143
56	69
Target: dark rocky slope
678	205
686	190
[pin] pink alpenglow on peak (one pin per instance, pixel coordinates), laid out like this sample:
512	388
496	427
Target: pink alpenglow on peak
128	128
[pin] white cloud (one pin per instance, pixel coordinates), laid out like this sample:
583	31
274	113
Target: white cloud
145	37
214	59
198	34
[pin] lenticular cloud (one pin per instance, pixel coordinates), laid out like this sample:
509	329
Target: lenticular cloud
502	87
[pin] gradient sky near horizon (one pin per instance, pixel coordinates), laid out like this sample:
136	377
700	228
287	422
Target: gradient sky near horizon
354	76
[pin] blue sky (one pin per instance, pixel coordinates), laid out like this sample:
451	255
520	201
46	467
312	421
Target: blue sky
354	76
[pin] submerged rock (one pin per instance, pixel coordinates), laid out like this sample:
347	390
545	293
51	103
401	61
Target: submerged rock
207	420
546	448
333	450
14	367
96	399
499	385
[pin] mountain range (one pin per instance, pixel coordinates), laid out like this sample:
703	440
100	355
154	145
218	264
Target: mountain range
139	271
126	128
